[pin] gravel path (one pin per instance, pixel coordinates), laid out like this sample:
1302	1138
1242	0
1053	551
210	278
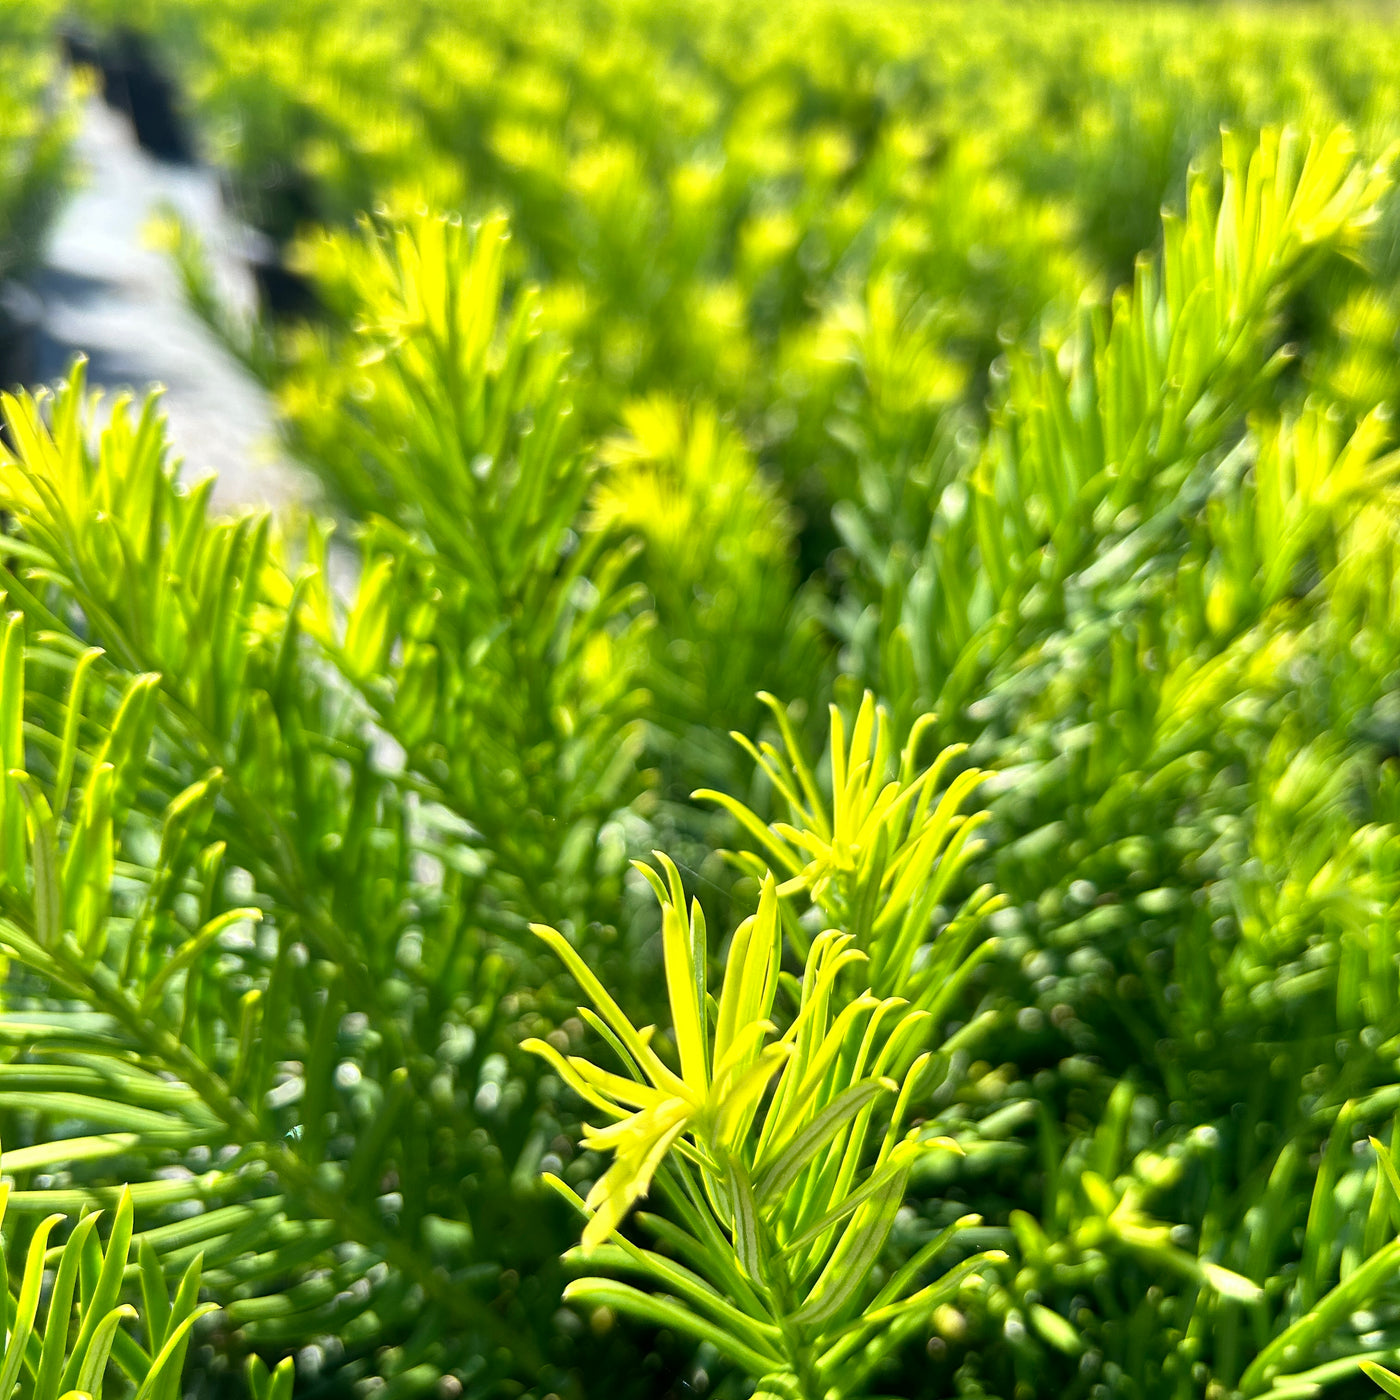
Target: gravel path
110	296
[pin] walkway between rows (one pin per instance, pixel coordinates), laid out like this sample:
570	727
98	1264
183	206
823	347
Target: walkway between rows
110	295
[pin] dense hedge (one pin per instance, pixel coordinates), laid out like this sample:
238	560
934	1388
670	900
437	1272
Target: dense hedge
677	371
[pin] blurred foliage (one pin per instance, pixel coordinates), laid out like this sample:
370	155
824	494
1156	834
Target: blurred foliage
36	127
666	361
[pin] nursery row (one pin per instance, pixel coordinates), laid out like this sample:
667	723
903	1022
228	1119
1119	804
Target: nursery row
796	441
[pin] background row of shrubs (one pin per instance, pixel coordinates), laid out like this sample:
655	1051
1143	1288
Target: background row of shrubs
804	349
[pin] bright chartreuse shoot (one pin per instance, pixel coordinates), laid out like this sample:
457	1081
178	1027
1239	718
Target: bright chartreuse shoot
879	851
777	1146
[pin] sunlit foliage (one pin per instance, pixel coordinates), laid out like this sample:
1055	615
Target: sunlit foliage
796	440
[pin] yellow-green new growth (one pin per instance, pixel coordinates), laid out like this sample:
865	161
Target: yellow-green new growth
721	1082
781	1153
872	815
881	854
